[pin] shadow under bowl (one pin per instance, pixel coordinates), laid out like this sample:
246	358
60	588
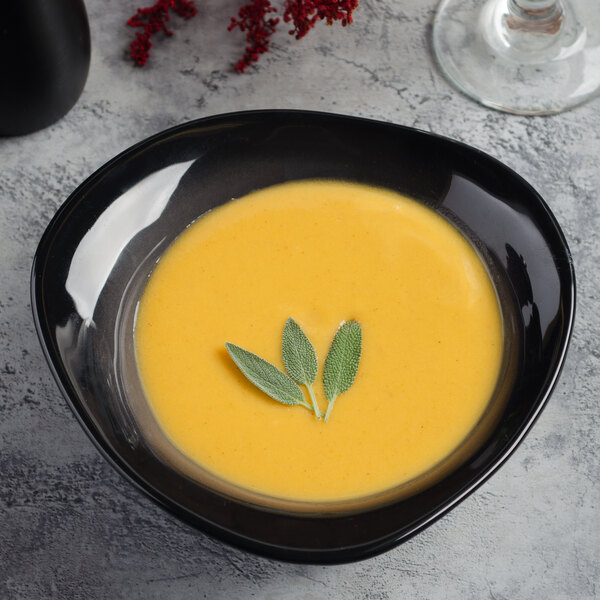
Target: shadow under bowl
94	259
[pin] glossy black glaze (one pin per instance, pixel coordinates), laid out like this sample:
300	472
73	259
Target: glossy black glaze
45	49
239	152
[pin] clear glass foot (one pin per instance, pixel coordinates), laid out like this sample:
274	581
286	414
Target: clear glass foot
521	56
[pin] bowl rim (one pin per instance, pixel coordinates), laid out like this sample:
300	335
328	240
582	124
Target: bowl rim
280	552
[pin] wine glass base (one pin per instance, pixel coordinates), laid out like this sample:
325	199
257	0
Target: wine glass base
519	72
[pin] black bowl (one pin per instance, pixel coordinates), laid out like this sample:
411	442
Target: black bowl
96	253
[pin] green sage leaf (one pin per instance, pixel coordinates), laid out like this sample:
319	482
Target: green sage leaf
298	354
342	360
266	377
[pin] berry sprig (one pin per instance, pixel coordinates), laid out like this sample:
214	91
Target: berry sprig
152	20
254	19
304	14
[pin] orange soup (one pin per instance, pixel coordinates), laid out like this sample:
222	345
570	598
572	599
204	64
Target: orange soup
322	252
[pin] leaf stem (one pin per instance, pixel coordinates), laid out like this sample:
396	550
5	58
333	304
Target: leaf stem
329	408
306	405
314	401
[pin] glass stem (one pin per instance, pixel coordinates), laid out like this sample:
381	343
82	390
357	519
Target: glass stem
536	16
535	5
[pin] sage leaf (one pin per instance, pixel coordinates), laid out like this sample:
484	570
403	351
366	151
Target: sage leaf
266	377
298	354
300	359
342	361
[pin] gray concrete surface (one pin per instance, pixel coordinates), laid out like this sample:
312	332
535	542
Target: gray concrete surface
70	527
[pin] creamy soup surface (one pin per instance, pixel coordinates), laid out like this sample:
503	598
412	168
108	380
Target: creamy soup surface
322	252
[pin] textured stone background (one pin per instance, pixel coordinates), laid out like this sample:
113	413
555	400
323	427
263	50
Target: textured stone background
70	527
